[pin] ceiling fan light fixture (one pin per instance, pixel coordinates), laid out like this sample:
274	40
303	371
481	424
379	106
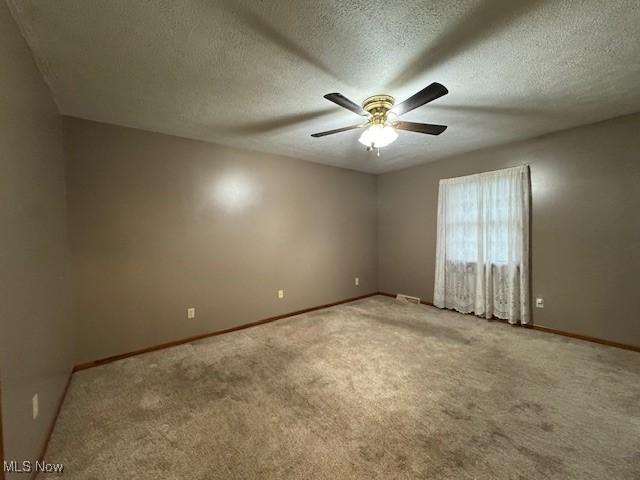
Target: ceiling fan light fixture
382	113
378	136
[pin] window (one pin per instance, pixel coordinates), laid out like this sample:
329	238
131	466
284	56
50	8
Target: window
483	243
478	220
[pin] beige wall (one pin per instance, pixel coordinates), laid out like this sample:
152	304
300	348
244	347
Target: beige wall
160	223
585	229
35	328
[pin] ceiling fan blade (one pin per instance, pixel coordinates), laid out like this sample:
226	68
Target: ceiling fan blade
426	95
421	127
344	102
337	130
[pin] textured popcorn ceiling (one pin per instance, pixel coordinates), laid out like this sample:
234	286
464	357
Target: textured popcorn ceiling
252	74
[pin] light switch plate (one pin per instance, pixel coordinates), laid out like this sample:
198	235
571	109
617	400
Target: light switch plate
34	405
191	312
357	281
280	293
539	302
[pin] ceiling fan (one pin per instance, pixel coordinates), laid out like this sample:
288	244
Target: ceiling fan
382	116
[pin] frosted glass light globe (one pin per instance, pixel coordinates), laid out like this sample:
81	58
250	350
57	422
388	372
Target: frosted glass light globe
378	136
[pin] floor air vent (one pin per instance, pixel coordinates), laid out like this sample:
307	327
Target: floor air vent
407	298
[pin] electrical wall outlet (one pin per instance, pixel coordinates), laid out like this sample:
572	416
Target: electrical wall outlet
539	302
357	281
34	406
191	312
280	293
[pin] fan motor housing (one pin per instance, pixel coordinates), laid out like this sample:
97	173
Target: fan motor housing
378	106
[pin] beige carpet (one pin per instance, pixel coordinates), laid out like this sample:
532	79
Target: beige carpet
372	389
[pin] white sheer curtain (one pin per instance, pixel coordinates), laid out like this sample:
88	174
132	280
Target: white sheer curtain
482	253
